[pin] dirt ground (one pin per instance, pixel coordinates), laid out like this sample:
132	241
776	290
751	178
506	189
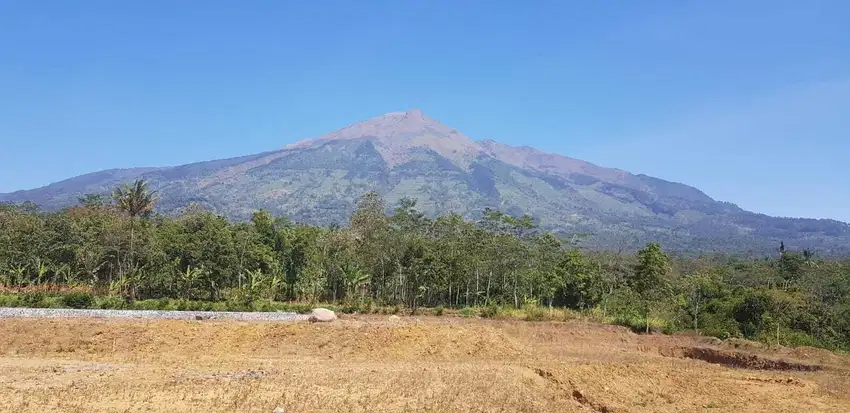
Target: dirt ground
372	364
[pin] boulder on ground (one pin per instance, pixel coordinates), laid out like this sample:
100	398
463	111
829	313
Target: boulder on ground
394	319
321	315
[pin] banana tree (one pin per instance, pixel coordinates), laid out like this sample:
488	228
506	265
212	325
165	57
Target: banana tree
41	270
354	279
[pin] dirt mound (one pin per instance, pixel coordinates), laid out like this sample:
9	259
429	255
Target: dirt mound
819	356
440	342
736	359
358	340
410	365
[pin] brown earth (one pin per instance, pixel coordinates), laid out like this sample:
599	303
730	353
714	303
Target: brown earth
368	364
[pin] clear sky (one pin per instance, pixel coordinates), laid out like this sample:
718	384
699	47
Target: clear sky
746	100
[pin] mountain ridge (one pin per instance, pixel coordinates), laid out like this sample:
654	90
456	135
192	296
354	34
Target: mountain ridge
408	154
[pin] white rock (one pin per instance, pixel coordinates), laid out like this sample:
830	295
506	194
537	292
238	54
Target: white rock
321	315
279	410
395	319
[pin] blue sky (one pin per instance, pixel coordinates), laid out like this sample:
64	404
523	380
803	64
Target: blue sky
746	100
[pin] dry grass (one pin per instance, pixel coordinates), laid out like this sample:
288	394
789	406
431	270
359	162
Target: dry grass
371	365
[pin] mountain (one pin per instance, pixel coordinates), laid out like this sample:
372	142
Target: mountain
407	154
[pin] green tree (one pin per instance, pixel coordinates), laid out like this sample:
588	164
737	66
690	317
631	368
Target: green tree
135	200
649	276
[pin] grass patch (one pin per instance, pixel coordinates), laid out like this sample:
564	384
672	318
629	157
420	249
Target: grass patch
77	300
467	312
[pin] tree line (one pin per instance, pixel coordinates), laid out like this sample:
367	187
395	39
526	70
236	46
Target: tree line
118	246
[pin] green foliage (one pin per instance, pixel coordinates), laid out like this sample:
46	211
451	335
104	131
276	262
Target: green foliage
533	312
498	266
110	303
491	311
34	299
78	300
466	312
133	199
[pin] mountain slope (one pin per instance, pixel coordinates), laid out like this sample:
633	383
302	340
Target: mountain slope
407	154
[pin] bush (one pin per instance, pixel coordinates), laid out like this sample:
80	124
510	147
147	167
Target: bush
717	325
152	304
638	324
33	299
466	312
491	311
110	303
535	313
265	306
438	311
239	305
77	300
10	300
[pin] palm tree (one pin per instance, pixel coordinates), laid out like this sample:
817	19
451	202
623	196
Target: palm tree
135	200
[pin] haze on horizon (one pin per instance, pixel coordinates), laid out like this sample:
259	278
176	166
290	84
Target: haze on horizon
749	102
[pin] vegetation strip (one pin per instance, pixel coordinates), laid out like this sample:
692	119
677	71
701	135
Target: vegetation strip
148	314
119	254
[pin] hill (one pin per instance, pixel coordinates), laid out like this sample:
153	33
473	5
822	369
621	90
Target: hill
407	154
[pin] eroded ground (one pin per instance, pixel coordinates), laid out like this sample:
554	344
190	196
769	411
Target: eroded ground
370	364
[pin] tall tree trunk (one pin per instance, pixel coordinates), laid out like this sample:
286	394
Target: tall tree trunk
487	297
516	297
477	288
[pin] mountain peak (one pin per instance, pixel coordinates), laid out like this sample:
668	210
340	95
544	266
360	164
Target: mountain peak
414	114
397	135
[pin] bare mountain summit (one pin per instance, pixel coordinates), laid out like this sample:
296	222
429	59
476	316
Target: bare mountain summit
408	154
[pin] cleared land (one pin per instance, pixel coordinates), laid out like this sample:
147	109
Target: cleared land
372	364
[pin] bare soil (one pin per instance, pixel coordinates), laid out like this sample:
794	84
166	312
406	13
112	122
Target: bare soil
369	364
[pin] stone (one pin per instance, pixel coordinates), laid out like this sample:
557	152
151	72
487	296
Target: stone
395	319
279	410
321	315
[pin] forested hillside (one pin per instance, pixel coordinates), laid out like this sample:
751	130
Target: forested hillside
117	247
409	155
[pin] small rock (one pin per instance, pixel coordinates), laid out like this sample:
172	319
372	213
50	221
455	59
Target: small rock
395	319
321	315
279	410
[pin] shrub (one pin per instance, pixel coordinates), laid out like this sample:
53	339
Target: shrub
264	305
110	303
535	313
438	311
10	300
491	311
77	300
33	299
638	324
239	305
467	312
566	314
152	304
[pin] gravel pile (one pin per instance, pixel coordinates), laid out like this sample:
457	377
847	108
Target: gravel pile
147	314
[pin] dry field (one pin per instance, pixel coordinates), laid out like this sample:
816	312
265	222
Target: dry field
371	364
